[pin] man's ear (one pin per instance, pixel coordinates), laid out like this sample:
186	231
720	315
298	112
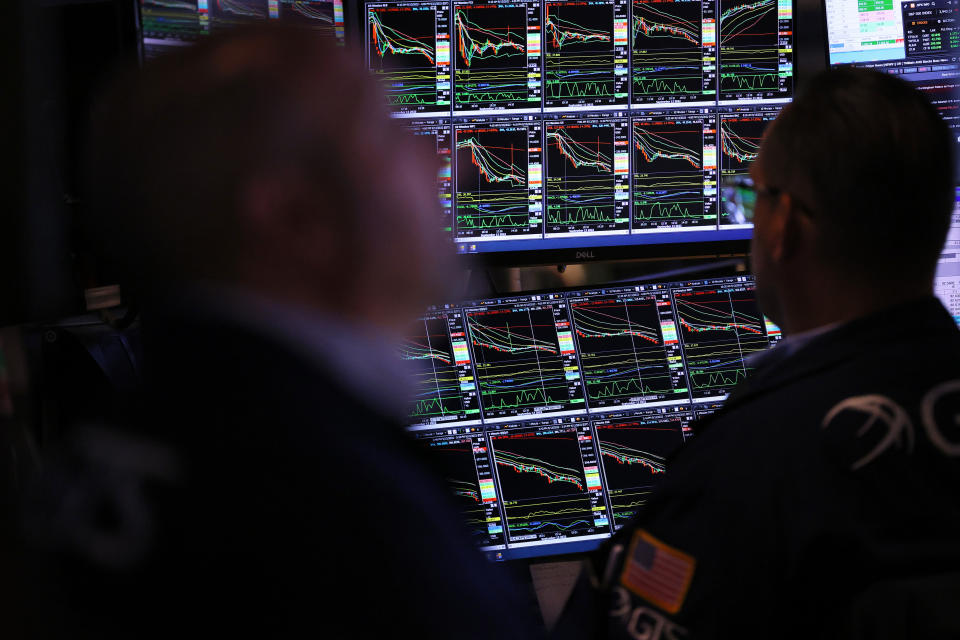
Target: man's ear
789	229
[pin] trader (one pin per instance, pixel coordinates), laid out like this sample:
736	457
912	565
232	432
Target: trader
282	231
821	501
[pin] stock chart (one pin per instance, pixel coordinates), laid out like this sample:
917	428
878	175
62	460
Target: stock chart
673	51
462	456
559	122
585	53
719	328
634	448
584	352
755	49
497	58
674	170
318	15
225	14
741	131
550	481
439	362
525	359
588	180
499	179
740	141
408	48
554	415
629	354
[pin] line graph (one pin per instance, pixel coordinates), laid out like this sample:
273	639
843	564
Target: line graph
506	341
408	49
624	357
494	168
387	40
719	328
740	137
752	49
226	14
314	11
675	28
585	53
657	146
670	172
462	458
587	181
563	32
651	462
493	63
525	360
581	154
465	489
255	9
439	364
741	149
318	15
549	480
634	451
497	193
549	472
672	54
474	41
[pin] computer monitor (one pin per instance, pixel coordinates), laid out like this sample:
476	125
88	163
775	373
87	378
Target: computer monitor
919	41
946	283
552	414
172	23
577	129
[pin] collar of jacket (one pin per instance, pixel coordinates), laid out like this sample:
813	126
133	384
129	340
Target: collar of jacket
903	321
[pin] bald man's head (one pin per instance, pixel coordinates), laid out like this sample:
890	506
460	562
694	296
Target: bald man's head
872	161
264	155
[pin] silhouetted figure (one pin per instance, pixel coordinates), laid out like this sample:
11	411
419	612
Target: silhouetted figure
822	500
281	232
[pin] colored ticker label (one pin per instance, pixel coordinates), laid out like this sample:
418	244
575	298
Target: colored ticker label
709	27
669	330
533	44
487	492
772	329
565	339
620	32
461	353
709	157
593	478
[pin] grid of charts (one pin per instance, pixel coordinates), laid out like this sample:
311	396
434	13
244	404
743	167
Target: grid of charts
559	118
553	415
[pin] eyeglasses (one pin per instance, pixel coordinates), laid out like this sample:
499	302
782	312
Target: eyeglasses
738	198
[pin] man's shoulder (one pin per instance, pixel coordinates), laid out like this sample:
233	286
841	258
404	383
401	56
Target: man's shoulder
862	444
882	362
852	417
815	480
286	478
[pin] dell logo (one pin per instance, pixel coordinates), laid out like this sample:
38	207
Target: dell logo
584	254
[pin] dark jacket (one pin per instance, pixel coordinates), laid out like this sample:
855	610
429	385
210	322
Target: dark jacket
827	475
259	497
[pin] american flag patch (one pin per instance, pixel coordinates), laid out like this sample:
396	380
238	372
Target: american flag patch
657	572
